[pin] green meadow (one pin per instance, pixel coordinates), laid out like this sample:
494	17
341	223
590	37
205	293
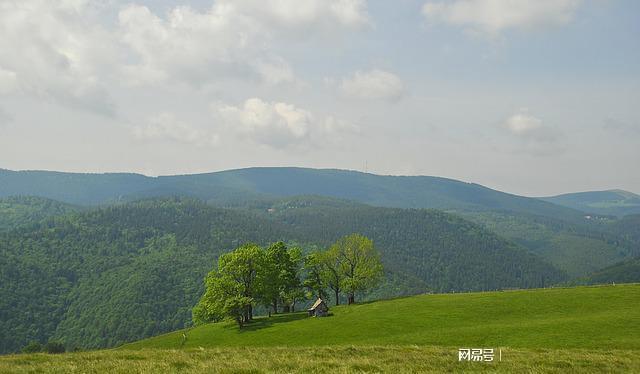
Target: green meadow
605	317
582	329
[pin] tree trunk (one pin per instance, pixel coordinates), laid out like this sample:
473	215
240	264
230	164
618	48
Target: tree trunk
337	296
352	298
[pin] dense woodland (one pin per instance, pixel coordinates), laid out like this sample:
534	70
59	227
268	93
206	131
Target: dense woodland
114	274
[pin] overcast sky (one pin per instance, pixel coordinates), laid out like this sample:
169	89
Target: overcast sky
533	97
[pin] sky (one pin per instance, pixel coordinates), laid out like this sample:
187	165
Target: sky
533	97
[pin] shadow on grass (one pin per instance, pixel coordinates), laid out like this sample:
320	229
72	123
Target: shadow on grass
266	322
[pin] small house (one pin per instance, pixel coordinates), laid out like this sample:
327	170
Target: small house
319	309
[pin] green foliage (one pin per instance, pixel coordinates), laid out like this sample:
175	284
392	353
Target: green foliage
623	272
54	347
232	289
19	211
579	248
314	281
248	275
360	265
32	347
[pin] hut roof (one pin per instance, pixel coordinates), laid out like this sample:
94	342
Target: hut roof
317	303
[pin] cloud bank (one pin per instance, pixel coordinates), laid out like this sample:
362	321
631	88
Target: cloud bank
495	16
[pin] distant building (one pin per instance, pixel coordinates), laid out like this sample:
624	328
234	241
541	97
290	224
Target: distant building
319	309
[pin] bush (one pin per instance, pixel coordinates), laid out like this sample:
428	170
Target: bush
32	347
54	347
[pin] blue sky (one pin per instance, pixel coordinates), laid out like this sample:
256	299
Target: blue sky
530	97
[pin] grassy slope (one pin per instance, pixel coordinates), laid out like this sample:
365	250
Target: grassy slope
584	329
583	317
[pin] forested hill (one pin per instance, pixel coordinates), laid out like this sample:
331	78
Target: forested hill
124	272
623	272
239	185
17	211
610	202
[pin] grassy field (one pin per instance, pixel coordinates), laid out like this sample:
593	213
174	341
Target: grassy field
583	329
606	317
344	359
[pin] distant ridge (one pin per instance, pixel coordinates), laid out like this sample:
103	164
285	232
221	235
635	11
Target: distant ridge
230	186
608	202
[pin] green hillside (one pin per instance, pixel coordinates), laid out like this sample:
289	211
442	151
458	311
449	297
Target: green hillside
623	272
121	273
577	248
18	211
610	202
584	317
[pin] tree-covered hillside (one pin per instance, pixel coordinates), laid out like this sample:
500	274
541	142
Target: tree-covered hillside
107	276
623	272
17	211
578	248
611	202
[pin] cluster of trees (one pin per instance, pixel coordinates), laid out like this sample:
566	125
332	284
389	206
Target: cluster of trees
51	347
277	277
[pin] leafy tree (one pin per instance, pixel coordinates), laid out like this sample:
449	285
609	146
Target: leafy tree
360	265
232	289
332	274
314	281
32	347
292	290
54	347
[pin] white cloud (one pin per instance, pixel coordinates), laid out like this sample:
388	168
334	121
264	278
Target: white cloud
55	50
533	134
305	15
373	84
493	16
165	126
231	38
278	124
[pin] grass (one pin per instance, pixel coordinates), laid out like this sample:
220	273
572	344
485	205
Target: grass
606	317
345	359
582	329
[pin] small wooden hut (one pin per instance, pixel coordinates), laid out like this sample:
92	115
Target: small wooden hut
319	309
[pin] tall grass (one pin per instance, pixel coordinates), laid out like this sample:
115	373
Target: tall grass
320	360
